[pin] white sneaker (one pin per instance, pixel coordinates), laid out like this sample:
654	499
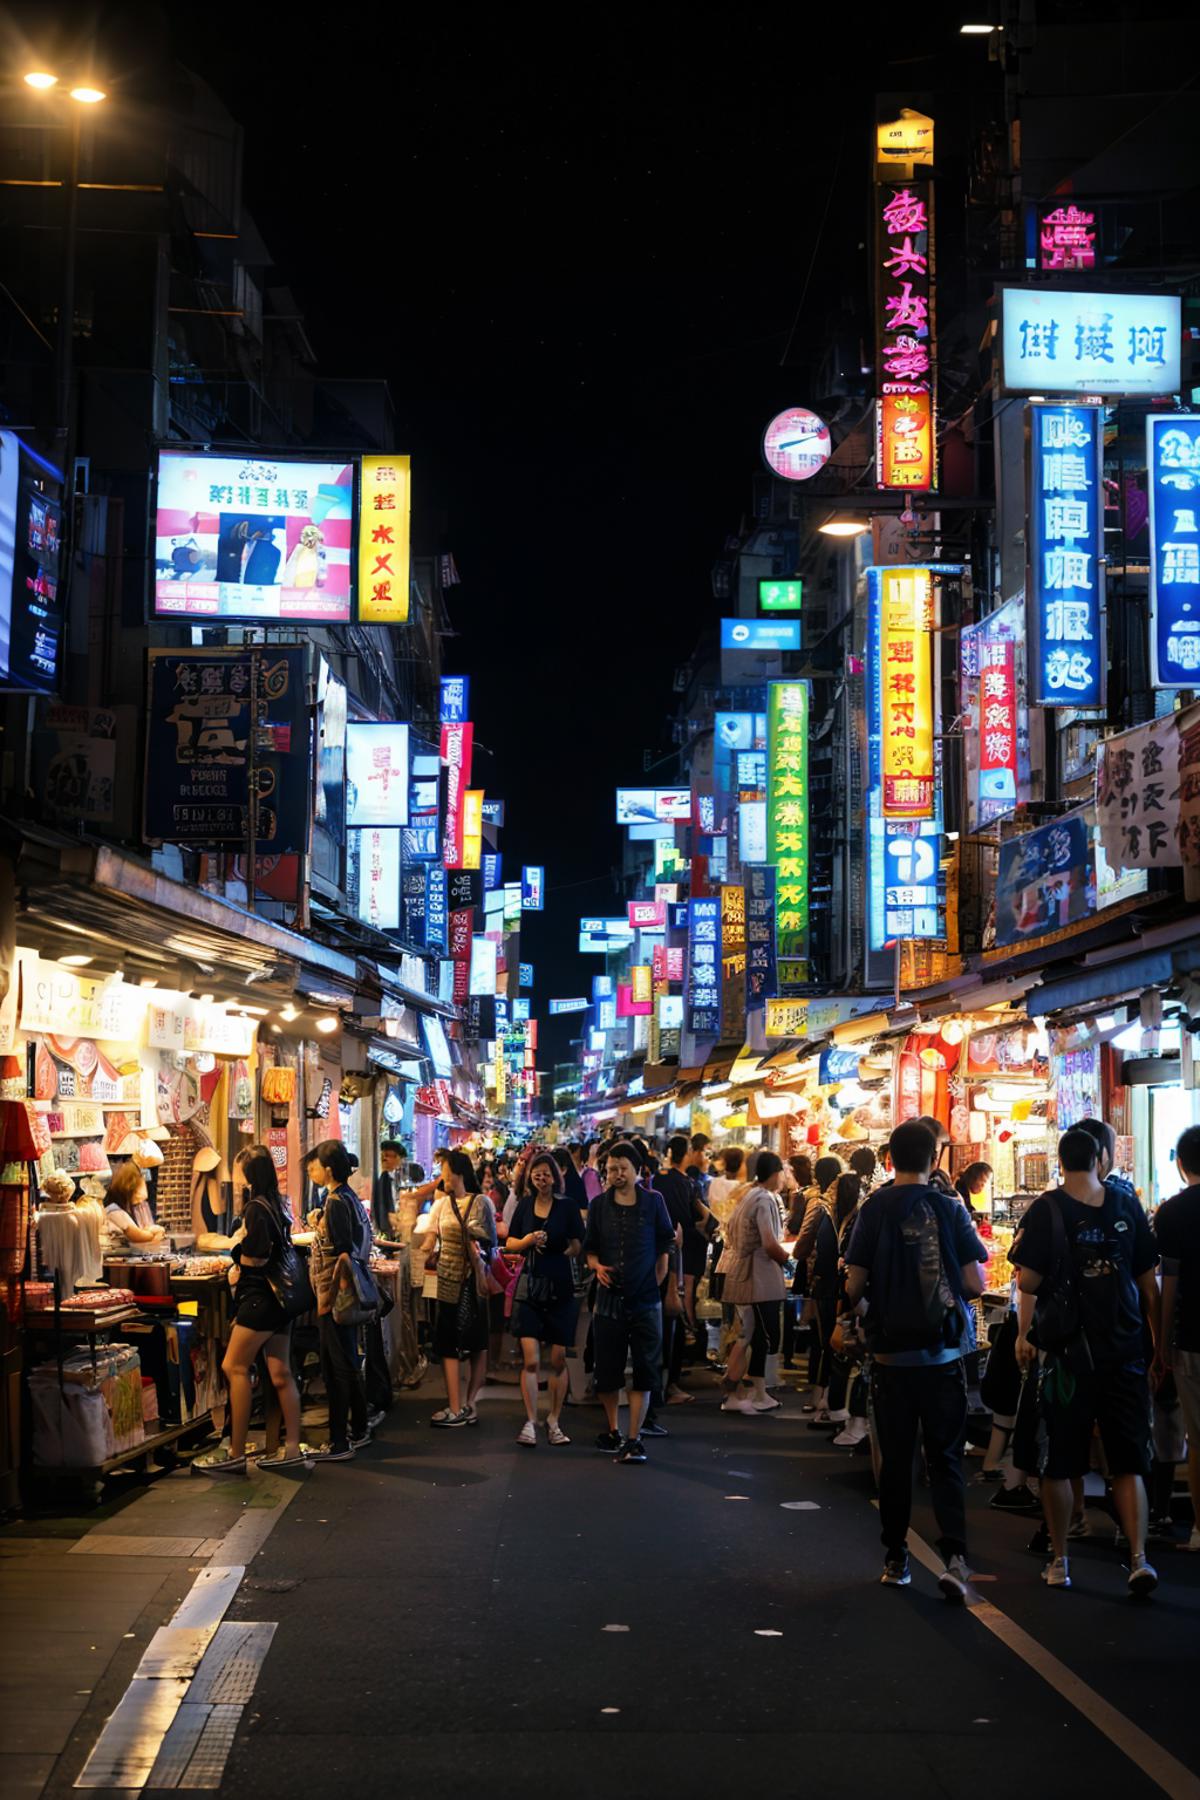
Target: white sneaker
1143	1577
1057	1573
1193	1542
733	1405
770	1404
954	1578
527	1434
854	1433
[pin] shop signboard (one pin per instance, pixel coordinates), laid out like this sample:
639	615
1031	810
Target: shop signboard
787	823
740	731
379	878
493	812
483	966
900	690
602	987
377	773
1066	552
413	887
491	864
993	690
733	961
837	1065
558	1007
457	744
1046	880
906	892
31	603
752	831
1066	240
785	1018
1059	341
760	935
512	905
436	908
198	749
796	444
641	980
905	336
520	1011
385	507
1173	476
648	915
1137	796
254	537
781	596
760	634
703	968
606	1013
640	805
63	1003
533	888
525	975
472	842
455	697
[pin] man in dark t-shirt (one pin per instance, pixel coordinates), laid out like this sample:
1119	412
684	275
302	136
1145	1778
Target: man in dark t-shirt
1177	1230
628	1242
1094	1246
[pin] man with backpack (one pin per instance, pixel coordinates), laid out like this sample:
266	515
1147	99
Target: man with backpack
1086	1259
915	1257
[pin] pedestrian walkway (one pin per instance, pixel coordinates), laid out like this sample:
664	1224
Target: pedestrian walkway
451	1607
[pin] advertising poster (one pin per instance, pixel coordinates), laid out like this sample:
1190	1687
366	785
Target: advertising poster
198	744
246	537
456	749
455	699
377	775
903	680
31	609
703	968
1046	881
379	879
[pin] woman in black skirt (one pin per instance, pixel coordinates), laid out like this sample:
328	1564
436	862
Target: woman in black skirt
259	1322
548	1230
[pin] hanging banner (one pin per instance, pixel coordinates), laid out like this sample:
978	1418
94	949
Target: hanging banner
787	823
379	879
733	962
1137	796
456	748
491	864
1066	549
993	696
648	915
703	963
1054	341
436	910
455	699
760	935
905	337
198	749
472	840
1046	881
385	506
1173	476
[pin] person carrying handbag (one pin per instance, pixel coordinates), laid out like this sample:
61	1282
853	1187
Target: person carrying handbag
462	1227
343	1229
548	1231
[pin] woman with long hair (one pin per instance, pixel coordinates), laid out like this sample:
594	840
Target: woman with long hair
461	1217
548	1232
259	1322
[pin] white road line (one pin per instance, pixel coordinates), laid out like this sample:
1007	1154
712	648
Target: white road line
1158	1764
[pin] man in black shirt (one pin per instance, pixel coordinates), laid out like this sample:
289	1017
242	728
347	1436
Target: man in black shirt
1086	1262
628	1243
1177	1229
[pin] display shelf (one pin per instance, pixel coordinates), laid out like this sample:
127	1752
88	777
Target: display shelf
75	1321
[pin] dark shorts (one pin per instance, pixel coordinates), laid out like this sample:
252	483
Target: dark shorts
1116	1400
447	1340
694	1254
548	1324
639	1338
256	1308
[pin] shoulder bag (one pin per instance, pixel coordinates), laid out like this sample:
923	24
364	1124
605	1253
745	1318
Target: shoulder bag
1056	1325
287	1274
477	1263
356	1298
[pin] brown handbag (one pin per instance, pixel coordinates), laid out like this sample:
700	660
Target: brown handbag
479	1268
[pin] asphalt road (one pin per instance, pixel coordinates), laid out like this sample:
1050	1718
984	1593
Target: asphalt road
454	1611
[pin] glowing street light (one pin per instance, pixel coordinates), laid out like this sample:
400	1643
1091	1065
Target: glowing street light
844	528
88	96
38	78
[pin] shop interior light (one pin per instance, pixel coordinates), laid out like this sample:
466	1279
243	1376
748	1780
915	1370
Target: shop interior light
148	981
38	78
327	1023
288	1013
977	30
88	96
75	962
206	999
260	1012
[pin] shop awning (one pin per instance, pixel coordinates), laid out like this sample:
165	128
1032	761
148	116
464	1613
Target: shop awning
1107	981
721	1061
747	1067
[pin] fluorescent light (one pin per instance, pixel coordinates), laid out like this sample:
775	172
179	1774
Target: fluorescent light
1106	1022
976	30
75	962
843	528
289	1013
38	78
88	96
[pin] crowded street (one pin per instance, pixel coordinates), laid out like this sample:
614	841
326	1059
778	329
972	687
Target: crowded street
599	902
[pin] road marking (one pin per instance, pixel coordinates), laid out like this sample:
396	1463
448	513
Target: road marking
1158	1764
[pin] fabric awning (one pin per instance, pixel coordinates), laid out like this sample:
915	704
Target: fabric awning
1107	981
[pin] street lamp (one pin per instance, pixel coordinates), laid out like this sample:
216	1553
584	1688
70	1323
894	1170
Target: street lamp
844	528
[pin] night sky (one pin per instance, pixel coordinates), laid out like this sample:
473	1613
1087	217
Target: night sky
579	263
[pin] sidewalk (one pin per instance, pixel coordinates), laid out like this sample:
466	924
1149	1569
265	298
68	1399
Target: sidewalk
82	1596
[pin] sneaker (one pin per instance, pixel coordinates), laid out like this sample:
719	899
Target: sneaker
856	1431
610	1441
472	1415
331	1453
1039	1543
219	1462
1079	1528
527	1434
896	1572
450	1421
770	1404
375	1419
555	1433
732	1404
279	1459
652	1428
1143	1577
1017	1500
1161	1531
1057	1572
360	1442
631	1451
954	1578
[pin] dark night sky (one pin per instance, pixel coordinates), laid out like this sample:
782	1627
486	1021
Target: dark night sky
577	259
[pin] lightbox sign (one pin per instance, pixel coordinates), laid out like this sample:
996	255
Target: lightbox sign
455	699
568	1006
472	838
436	910
533	885
606	1014
483	966
781	596
1173	469
1067	240
491	866
752	831
760	634
787	822
648	915
385	507
905	342
520	1011
377	774
904	878
1056	341
253	537
639	805
703	968
456	749
525	975
603	987
379	879
760	935
740	731
31	609
493	812
900	671
796	444
1066	545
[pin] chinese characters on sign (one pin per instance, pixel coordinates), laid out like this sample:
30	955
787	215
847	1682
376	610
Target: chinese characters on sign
1067	239
377	773
383	528
457	744
905	336
1173	473
904	679
1046	880
435	907
1057	342
533	883
787	823
733	961
379	879
455	701
1137	796
1066	546
648	915
993	690
703	983
760	935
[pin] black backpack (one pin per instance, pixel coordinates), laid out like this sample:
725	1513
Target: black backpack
917	1308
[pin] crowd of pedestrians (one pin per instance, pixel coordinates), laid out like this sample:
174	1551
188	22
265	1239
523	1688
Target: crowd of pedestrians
594	1256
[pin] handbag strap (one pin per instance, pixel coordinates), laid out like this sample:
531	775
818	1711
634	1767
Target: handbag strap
468	1241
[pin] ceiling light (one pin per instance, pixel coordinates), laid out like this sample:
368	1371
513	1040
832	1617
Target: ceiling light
844	528
260	1011
88	96
206	999
75	962
976	30
38	78
148	981
288	1013
1106	1022
326	1024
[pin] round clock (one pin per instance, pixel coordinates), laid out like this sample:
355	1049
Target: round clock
796	444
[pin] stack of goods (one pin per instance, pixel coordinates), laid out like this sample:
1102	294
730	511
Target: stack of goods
173	1183
99	1300
196	1266
94	1413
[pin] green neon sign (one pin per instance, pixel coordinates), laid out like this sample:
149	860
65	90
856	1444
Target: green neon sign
781	596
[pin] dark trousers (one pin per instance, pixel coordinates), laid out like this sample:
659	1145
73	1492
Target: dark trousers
343	1380
933	1402
378	1380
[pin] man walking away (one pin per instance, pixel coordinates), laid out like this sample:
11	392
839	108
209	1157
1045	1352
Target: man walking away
914	1255
629	1240
1177	1228
1086	1260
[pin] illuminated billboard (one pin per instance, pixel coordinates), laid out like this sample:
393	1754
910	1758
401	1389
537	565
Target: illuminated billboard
377	776
637	805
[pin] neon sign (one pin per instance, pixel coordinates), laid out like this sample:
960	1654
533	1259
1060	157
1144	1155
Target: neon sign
1066	523
905	339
